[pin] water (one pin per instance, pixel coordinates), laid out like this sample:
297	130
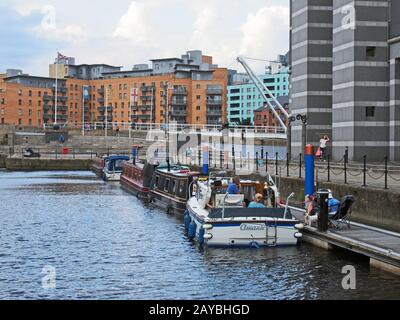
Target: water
105	244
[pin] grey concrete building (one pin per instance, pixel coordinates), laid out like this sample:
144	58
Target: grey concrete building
362	82
311	75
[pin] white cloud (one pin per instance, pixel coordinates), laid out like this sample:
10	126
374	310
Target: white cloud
134	24
266	33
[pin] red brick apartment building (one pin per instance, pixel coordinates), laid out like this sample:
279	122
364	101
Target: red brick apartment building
196	90
264	117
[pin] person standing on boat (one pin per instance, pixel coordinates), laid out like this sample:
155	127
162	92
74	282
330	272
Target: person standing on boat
234	186
258	201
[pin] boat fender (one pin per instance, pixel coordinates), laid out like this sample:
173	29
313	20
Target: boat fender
208	226
298	235
138	194
192	230
201	235
254	244
299	226
208	236
187	220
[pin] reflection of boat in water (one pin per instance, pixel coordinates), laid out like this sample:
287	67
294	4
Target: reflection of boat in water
136	178
215	218
113	168
98	165
170	188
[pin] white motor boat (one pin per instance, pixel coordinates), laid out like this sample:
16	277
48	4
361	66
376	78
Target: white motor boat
113	168
217	219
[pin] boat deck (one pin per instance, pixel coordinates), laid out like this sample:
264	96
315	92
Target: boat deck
380	245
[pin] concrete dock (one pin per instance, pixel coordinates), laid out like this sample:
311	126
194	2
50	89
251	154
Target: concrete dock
380	246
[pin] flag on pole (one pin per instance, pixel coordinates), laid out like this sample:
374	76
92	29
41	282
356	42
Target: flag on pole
134	95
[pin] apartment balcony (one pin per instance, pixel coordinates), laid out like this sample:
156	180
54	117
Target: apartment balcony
214	112
60	108
103	118
214	122
102	109
60	117
147	89
136	117
53	98
145	108
179	113
135	108
59	89
100	91
214	91
214	102
179	92
178	102
147	98
100	100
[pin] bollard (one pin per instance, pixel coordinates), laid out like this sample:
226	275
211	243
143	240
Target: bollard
266	161
257	162
310	167
329	168
277	164
262	153
205	160
287	165
365	171
323	214
386	173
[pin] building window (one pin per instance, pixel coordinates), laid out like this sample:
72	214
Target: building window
30	93
20	92
370	112
198	86
198	108
20	102
2	111
198	97
371	51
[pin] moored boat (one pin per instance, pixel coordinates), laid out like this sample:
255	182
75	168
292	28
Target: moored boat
98	165
113	168
136	178
215	218
171	188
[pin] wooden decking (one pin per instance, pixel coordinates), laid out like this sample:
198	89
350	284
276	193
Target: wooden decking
379	245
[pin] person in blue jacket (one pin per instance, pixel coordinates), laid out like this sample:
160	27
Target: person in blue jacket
234	186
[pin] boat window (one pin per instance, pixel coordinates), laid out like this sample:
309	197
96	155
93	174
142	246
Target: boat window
174	183
118	165
166	187
156	182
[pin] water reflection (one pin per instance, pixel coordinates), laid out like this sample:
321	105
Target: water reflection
105	244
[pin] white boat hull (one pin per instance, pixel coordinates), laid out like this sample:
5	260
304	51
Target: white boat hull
244	232
115	176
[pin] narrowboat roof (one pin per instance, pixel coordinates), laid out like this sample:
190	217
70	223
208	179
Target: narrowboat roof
178	171
115	158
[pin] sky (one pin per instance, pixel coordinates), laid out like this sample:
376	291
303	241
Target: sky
126	32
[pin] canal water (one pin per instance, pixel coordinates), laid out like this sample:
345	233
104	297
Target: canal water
103	243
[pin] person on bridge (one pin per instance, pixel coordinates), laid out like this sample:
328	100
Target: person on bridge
322	146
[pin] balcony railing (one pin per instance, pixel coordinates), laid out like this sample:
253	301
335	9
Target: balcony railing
103	118
147	88
179	113
214	112
214	102
214	91
102	109
100	100
100	91
179	102
60	89
179	91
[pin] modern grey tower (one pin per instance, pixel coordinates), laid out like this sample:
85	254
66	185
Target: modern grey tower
311	79
363	80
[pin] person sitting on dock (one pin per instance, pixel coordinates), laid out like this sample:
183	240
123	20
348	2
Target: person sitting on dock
258	201
311	210
234	186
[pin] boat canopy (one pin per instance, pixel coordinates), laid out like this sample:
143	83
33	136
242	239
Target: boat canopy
114	163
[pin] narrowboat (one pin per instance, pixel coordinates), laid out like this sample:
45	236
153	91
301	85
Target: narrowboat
113	168
98	164
171	188
136	178
215	218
